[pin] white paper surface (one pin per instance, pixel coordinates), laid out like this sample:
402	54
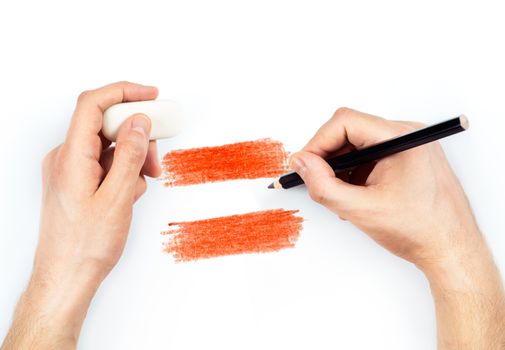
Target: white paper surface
243	71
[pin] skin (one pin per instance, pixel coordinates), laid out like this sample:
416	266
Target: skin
89	190
410	203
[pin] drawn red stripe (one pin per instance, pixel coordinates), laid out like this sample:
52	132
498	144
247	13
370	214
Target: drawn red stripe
257	232
262	158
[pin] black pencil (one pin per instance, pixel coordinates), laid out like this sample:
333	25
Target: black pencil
383	149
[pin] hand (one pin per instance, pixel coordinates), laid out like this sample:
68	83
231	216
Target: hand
89	189
412	204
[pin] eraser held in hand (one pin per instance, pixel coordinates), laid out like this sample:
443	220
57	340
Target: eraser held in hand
165	115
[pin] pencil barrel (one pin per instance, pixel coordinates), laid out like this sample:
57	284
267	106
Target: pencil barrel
386	148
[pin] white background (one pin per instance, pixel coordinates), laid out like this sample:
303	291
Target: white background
241	71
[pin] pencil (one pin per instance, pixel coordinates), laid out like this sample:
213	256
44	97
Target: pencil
383	149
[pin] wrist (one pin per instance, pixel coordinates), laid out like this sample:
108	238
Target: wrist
468	296
44	318
59	299
466	268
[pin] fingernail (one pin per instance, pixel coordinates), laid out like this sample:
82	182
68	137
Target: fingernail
140	124
298	166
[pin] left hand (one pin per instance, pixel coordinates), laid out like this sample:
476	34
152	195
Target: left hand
89	190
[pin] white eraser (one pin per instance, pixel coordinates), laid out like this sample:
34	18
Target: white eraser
165	115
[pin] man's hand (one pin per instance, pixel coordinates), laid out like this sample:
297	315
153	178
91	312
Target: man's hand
89	190
412	204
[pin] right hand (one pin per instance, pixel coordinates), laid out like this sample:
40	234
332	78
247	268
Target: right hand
411	203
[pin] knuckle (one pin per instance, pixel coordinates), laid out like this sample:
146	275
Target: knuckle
421	153
131	151
401	128
47	161
45	166
318	192
60	166
341	112
63	167
62	158
407	128
84	96
142	187
96	143
412	124
51	157
418	125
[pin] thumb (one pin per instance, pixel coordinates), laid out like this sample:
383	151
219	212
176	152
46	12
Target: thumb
324	187
129	156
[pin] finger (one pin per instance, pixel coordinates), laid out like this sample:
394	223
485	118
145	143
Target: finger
324	187
129	157
107	158
140	187
88	115
152	166
105	142
48	164
106	161
344	175
415	125
347	125
346	148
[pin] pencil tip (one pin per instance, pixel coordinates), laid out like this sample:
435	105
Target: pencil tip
276	185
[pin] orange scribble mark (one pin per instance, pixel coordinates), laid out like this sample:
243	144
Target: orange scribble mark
257	232
243	160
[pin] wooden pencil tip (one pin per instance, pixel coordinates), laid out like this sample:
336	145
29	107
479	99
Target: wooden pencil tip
465	124
276	185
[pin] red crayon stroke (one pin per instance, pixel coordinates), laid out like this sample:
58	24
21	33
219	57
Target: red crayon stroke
243	160
257	232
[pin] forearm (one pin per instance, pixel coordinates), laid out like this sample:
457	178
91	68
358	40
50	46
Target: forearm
469	300
78	244
50	314
32	329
